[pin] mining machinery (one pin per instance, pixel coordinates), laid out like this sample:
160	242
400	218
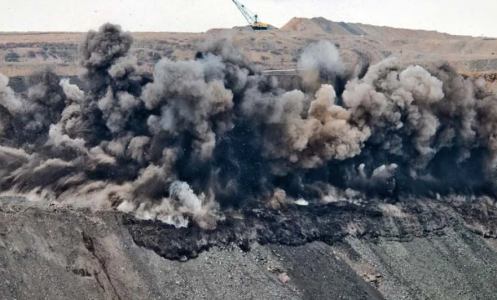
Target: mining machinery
252	19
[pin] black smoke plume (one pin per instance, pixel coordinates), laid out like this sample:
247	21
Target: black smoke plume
210	133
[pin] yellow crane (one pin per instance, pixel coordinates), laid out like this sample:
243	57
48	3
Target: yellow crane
251	18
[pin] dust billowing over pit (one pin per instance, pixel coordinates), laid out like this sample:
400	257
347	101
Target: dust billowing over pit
203	135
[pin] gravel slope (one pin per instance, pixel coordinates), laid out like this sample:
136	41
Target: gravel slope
429	251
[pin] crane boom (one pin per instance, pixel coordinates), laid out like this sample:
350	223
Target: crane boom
252	19
245	12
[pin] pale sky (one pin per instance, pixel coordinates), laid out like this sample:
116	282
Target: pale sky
465	17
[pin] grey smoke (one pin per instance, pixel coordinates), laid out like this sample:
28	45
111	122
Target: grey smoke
320	63
202	135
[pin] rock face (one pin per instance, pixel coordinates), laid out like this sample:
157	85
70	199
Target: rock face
422	249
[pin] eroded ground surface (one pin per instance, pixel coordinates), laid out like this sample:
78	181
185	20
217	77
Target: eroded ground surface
422	249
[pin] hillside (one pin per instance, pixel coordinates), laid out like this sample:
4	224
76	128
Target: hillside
23	53
375	252
322	25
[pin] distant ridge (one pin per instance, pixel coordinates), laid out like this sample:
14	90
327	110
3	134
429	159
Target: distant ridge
322	25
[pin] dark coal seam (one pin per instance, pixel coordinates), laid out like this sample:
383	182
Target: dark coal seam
147	234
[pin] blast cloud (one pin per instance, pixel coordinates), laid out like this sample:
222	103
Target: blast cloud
203	135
